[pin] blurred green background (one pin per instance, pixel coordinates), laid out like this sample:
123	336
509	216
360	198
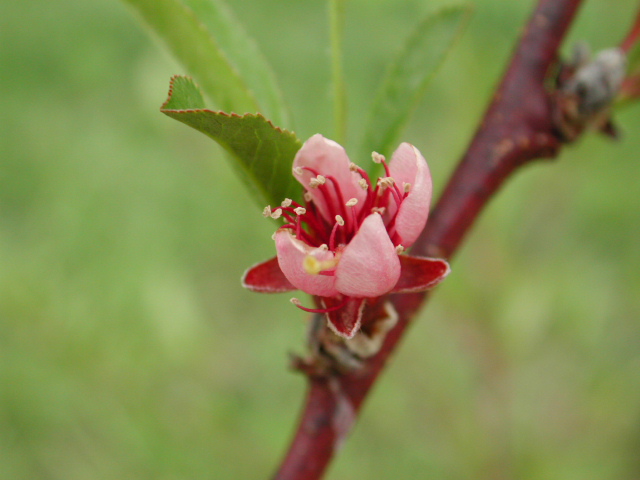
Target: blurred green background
129	350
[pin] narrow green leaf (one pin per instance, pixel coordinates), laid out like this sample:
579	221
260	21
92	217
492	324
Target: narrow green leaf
336	22
409	75
210	42
262	153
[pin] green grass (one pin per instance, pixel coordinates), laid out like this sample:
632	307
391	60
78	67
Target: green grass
129	350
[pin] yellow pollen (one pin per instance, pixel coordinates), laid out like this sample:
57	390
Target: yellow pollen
313	266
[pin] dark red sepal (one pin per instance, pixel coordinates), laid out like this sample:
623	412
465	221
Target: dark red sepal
266	277
420	273
346	320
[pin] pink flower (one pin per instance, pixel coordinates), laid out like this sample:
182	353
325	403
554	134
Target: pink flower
344	245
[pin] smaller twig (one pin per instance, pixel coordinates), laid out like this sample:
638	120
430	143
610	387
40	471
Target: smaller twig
633	35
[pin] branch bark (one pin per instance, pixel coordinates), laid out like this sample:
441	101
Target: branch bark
518	127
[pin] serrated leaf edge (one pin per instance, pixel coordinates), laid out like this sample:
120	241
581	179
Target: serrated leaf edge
217	112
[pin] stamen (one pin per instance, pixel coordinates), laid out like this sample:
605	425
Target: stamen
399	249
363	183
299	233
317	181
380	159
352	211
324	247
353	167
406	187
386	182
298	170
307	197
364	175
334	230
286	203
377	157
276	214
298	226
379	210
296	302
338	192
390	183
300	210
266	213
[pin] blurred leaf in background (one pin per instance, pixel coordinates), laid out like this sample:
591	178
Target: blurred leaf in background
129	350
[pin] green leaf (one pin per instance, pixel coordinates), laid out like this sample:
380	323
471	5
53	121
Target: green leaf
409	75
336	22
262	153
210	42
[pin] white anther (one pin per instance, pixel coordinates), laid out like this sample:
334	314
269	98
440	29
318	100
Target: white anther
379	210
298	170
324	247
273	237
406	187
353	167
386	182
276	214
339	220
363	183
286	203
300	210
307	197
399	249
377	157
295	301
351	202
317	181
266	213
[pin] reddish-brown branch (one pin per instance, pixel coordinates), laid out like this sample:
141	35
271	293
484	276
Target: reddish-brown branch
518	127
633	35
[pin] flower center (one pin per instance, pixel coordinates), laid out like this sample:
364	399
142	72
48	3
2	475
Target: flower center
308	225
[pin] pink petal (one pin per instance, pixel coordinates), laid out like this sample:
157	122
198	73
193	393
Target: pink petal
291	255
329	159
346	320
409	166
420	273
369	266
266	277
